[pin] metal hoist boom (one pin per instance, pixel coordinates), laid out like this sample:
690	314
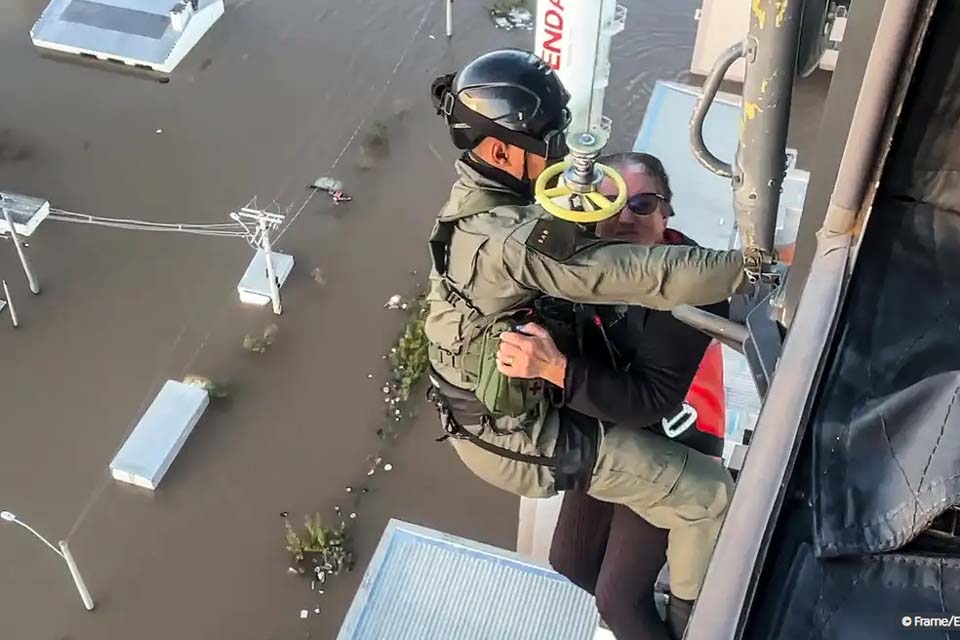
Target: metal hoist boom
573	37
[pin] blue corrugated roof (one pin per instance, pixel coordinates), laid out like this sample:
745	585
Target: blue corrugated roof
424	584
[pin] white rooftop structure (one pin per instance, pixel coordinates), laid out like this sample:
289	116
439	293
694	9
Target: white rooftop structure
152	34
254	286
26	212
157	439
423	584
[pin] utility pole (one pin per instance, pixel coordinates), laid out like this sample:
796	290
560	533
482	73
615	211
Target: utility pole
13	312
34	283
63	552
264	222
271	274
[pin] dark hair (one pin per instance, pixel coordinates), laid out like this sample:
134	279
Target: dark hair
650	163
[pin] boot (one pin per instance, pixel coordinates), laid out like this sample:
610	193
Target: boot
678	614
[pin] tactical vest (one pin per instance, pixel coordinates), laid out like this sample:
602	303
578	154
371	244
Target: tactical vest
476	356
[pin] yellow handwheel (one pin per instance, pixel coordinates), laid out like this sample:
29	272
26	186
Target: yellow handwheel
605	208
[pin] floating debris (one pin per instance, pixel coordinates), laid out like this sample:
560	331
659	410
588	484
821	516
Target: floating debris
349	489
371	472
331	186
316	610
340	196
158	131
260	345
326	183
303	614
213	389
292	570
353	516
318	277
254	344
394	303
388	467
370	376
512	14
284	514
322	549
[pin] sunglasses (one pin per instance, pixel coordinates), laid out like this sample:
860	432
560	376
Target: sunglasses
643	204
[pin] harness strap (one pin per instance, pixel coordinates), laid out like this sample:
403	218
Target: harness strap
460	432
440	253
443	356
454	429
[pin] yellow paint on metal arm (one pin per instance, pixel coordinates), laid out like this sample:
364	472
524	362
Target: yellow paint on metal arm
781	10
759	12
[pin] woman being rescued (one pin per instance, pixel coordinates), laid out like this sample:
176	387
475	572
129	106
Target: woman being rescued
638	370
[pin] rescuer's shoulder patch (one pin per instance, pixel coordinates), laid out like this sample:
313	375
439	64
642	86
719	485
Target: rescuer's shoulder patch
558	239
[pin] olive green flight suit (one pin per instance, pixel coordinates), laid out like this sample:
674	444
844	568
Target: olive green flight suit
495	261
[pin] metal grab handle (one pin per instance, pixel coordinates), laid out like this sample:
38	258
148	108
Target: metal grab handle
733	334
710	87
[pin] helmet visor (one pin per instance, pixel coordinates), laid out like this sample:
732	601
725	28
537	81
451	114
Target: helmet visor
516	108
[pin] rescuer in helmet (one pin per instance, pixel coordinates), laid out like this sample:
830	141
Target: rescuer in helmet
496	257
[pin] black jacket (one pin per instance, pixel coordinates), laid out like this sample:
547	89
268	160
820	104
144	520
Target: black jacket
657	357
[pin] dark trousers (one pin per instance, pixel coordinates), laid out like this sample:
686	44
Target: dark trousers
616	555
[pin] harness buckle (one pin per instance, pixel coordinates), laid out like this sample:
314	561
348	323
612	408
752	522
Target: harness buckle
447	103
679	422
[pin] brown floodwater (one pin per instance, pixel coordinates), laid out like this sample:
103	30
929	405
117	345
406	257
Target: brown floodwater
262	106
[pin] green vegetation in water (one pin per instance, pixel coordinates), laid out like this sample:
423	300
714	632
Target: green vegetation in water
324	551
376	135
217	389
503	7
261	344
409	358
374	146
409	362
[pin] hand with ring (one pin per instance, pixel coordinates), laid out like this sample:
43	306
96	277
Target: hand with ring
531	354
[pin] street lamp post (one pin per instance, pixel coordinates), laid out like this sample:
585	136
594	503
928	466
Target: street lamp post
63	552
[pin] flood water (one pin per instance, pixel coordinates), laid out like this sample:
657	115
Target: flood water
262	106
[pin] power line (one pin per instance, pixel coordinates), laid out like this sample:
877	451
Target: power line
383	91
222	230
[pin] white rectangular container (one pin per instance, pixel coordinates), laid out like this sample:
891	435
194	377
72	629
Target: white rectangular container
157	439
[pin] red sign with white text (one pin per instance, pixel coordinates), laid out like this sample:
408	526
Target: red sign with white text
551	26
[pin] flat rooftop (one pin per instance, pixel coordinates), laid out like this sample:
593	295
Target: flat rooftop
422	583
135	32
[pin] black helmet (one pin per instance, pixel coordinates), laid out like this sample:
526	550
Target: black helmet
510	95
